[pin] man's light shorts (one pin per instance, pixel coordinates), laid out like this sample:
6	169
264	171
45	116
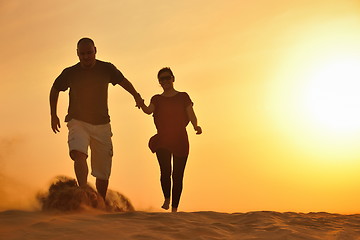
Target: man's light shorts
98	137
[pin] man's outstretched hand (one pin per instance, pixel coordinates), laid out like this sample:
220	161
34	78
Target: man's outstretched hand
55	124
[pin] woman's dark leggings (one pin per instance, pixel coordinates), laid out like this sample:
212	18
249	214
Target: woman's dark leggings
164	158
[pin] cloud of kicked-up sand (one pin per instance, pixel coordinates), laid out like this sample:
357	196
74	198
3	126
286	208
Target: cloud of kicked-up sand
14	193
64	195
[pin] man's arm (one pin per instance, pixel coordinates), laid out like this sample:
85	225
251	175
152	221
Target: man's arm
126	84
55	122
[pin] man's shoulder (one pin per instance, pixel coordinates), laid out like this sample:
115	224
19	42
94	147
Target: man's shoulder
108	66
72	68
104	63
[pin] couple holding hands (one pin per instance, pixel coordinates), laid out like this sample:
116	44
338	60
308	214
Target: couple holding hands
88	121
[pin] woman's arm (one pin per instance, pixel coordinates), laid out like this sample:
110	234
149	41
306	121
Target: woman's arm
192	117
147	109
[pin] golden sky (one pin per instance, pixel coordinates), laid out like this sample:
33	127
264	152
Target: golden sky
275	86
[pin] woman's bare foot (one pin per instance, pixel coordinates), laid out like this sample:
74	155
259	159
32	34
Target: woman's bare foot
166	204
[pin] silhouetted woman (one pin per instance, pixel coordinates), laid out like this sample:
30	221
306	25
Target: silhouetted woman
172	111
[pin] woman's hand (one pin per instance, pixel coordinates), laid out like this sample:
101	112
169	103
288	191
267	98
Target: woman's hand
198	130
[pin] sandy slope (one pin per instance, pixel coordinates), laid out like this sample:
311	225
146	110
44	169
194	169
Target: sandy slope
195	225
73	213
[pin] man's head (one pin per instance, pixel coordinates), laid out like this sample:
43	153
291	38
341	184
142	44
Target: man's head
86	52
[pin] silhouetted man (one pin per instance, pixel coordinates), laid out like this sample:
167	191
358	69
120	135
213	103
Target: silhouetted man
88	120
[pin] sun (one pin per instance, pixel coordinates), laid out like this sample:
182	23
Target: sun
332	95
313	98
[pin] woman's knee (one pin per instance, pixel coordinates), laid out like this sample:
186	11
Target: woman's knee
177	177
165	173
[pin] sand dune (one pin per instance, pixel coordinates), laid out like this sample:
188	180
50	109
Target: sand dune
70	213
91	225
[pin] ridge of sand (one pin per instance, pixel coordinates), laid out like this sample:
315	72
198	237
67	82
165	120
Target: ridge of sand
193	225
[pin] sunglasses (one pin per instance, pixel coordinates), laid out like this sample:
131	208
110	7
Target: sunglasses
165	78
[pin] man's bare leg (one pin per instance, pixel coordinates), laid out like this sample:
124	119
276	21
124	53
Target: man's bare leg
80	167
102	186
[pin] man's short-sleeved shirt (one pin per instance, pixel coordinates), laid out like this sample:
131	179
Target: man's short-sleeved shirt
88	95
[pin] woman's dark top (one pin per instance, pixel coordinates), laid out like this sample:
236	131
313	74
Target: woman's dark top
171	119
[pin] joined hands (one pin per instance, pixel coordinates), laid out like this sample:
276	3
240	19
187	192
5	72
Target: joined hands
139	101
